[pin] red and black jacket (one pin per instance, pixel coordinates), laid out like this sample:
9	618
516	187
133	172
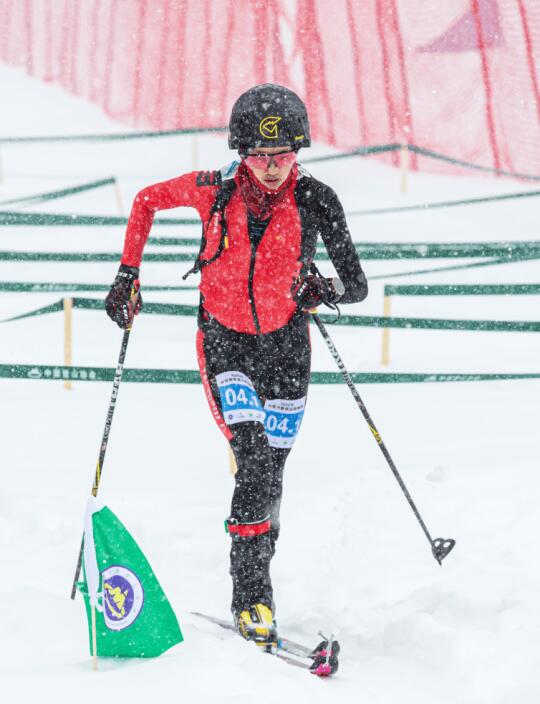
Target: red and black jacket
246	285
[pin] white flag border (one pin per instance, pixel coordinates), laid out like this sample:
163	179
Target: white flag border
90	562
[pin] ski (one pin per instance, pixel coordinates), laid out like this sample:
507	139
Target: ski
323	662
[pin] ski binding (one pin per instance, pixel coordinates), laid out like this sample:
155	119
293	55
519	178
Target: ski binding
324	657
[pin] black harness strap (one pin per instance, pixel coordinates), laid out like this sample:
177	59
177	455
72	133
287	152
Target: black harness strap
223	197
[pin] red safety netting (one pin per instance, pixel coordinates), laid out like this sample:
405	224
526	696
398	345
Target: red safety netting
459	77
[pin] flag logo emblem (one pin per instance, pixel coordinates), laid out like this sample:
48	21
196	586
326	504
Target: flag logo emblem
268	127
123	597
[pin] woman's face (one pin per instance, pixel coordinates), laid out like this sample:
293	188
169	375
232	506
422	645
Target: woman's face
272	172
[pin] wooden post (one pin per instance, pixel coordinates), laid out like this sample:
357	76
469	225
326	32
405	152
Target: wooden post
119	201
94	640
194	152
68	308
385	356
232	462
404	167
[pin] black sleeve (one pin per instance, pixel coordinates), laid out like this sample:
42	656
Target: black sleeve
341	250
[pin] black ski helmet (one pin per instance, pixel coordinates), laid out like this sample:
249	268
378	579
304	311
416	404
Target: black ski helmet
268	115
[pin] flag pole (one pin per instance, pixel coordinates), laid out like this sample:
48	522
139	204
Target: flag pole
94	640
107	430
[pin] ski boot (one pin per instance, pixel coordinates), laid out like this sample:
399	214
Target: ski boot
257	624
325	658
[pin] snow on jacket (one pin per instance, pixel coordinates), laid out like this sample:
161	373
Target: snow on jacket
247	288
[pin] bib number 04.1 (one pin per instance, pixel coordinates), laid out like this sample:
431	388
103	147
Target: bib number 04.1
283	420
239	399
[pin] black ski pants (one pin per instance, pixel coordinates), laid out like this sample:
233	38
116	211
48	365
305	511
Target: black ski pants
256	386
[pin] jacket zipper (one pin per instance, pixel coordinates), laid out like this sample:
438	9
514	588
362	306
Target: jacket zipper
250	287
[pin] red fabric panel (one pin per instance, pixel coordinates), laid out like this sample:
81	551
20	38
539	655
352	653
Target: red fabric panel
176	192
487	83
530	54
225	283
216	413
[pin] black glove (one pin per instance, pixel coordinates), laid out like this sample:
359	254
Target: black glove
119	303
313	290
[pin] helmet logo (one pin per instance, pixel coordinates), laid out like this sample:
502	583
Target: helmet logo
268	127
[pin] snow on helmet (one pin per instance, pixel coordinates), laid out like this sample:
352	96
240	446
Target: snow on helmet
268	115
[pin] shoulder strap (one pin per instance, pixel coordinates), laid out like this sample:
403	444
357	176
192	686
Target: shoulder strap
223	196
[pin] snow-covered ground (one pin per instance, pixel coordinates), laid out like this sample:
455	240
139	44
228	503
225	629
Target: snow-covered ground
352	558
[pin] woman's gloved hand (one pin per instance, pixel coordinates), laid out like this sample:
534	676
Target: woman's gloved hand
313	290
124	300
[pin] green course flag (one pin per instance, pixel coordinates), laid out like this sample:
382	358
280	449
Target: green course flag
133	616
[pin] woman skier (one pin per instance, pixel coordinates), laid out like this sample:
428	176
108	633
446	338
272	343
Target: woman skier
262	217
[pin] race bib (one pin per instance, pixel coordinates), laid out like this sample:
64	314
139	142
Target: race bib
239	400
283	420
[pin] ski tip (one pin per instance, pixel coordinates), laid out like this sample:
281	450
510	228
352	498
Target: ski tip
322	670
325	658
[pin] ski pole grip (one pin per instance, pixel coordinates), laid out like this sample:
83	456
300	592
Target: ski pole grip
133	301
135	291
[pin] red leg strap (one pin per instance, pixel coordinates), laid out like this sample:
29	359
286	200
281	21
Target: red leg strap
247	530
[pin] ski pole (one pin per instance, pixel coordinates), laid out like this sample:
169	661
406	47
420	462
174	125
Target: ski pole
440	547
106	432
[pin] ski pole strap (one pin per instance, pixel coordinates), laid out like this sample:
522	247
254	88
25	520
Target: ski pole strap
333	306
247	530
